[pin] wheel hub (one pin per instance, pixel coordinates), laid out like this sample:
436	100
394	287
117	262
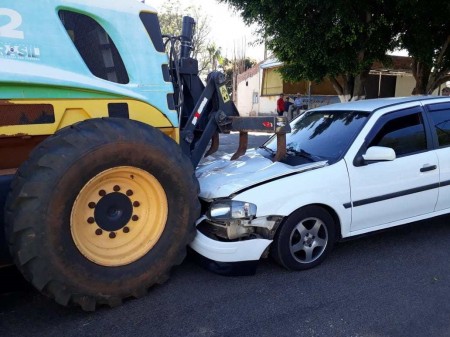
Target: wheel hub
118	216
113	212
309	239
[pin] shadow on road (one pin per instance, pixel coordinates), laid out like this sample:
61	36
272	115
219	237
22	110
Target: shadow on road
12	281
391	283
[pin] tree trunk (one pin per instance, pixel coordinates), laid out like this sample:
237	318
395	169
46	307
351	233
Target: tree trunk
421	72
359	87
341	90
437	81
350	87
439	73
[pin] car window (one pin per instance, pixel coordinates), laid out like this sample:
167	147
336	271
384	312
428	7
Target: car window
95	47
440	115
404	134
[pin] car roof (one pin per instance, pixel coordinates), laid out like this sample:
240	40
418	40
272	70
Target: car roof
370	105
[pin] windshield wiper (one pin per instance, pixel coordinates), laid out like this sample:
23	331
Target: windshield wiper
268	149
301	153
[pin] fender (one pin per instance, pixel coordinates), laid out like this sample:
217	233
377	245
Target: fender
325	186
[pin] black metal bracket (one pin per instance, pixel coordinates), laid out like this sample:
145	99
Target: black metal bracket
206	111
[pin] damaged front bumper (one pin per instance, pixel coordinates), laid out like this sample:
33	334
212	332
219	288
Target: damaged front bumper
231	251
234	247
230	258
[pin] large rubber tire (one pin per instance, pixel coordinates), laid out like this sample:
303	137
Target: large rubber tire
305	239
84	194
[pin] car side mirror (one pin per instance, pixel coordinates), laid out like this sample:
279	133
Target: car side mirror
379	153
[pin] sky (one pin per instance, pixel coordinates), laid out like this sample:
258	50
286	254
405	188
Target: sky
227	28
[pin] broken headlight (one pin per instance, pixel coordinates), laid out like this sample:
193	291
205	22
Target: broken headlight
226	209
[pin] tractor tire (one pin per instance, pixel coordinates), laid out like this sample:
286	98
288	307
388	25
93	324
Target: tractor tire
101	211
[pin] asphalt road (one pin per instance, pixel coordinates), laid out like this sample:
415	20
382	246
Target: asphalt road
392	283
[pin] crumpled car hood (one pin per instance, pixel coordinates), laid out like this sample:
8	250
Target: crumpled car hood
221	177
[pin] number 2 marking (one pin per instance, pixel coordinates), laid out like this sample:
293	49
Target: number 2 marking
10	29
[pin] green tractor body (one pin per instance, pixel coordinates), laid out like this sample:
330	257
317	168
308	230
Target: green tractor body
97	200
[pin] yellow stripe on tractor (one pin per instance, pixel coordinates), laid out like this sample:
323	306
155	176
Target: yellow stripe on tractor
47	117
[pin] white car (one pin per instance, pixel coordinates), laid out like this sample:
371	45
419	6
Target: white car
350	169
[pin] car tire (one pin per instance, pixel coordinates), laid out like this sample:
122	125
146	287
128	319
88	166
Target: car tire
101	211
305	239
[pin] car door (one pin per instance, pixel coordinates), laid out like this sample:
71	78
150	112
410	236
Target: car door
385	193
439	115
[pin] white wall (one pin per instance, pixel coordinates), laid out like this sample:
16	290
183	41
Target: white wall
405	85
245	91
267	104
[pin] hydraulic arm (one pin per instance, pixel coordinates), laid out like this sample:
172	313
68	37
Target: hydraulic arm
206	111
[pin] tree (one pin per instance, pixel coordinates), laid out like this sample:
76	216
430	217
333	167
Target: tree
215	56
171	19
232	68
425	33
317	39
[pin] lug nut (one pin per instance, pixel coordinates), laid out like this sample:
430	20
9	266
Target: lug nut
130	193
98	232
112	235
136	204
92	205
102	193
126	230
116	188
91	220
135	218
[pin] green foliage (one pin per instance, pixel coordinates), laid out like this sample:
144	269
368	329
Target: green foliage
425	33
215	56
425	26
341	39
316	39
206	52
171	19
232	68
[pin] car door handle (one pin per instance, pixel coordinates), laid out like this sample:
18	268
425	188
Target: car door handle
428	168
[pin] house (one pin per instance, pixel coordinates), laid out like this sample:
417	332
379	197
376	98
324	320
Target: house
258	88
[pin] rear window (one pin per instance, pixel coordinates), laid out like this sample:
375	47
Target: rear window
95	47
440	114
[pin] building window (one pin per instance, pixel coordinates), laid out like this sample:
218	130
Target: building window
95	47
272	82
255	98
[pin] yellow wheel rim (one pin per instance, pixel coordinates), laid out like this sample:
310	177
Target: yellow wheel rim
119	216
